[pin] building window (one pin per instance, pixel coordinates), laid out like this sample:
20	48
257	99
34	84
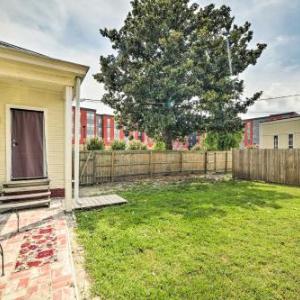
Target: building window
90	124
99	126
291	141
108	128
117	133
275	141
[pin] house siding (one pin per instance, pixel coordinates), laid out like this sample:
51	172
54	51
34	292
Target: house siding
252	128
53	102
282	129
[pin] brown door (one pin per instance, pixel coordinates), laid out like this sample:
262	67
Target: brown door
27	144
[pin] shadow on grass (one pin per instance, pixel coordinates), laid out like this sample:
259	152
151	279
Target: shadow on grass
191	200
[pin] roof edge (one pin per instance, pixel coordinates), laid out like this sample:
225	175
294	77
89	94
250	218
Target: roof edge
10	48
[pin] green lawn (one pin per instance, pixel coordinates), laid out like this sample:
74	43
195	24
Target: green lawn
196	240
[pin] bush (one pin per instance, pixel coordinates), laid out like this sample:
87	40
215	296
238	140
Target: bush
159	146
95	144
118	145
198	147
136	145
222	141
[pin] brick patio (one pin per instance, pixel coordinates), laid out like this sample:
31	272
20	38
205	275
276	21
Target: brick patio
51	281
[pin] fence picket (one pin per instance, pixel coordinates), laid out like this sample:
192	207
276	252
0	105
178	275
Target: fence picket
105	166
270	165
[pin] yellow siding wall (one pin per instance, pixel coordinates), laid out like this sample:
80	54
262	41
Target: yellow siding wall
18	94
282	128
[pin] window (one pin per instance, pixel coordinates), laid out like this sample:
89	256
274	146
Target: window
291	141
108	128
99	126
117	132
90	124
275	141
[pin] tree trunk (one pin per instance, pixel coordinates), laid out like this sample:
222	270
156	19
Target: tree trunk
168	141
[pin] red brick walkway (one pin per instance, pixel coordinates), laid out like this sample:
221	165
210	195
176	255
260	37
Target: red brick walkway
51	281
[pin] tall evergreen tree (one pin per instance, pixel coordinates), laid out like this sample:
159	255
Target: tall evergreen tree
169	74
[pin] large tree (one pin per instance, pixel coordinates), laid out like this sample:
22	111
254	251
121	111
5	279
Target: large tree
169	75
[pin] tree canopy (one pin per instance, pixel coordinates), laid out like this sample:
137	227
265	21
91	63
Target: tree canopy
169	74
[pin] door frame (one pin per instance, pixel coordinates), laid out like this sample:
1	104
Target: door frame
9	107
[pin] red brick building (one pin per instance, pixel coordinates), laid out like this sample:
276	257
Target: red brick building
87	124
108	129
104	127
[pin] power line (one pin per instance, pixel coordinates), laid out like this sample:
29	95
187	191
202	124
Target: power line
261	99
279	97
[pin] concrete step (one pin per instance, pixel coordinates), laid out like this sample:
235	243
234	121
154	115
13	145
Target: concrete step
25	196
23	183
24	204
9	190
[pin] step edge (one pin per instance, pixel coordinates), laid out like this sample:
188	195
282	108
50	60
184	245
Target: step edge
24	196
24	203
8	190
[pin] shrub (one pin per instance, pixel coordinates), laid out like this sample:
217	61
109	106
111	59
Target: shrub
198	147
95	144
136	145
159	146
118	145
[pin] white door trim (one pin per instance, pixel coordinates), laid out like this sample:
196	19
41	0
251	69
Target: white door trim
8	137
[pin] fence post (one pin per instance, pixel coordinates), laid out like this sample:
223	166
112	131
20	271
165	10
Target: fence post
94	167
233	153
205	162
112	165
215	161
150	163
181	161
226	162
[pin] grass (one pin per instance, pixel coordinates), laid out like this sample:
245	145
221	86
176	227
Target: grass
196	240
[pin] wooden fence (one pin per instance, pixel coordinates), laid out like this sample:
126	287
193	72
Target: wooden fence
103	166
270	165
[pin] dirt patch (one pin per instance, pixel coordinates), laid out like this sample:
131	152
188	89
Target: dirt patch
115	187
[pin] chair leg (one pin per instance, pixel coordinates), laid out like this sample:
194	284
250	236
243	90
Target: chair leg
18	219
2	258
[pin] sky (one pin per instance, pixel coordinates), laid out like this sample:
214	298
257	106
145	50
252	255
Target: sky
69	30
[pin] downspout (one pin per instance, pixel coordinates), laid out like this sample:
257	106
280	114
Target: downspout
77	137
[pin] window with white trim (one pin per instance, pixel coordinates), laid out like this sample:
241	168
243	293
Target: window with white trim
90	124
99	126
116	132
291	141
108	128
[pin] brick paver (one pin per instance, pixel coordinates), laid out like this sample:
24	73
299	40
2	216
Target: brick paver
51	281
